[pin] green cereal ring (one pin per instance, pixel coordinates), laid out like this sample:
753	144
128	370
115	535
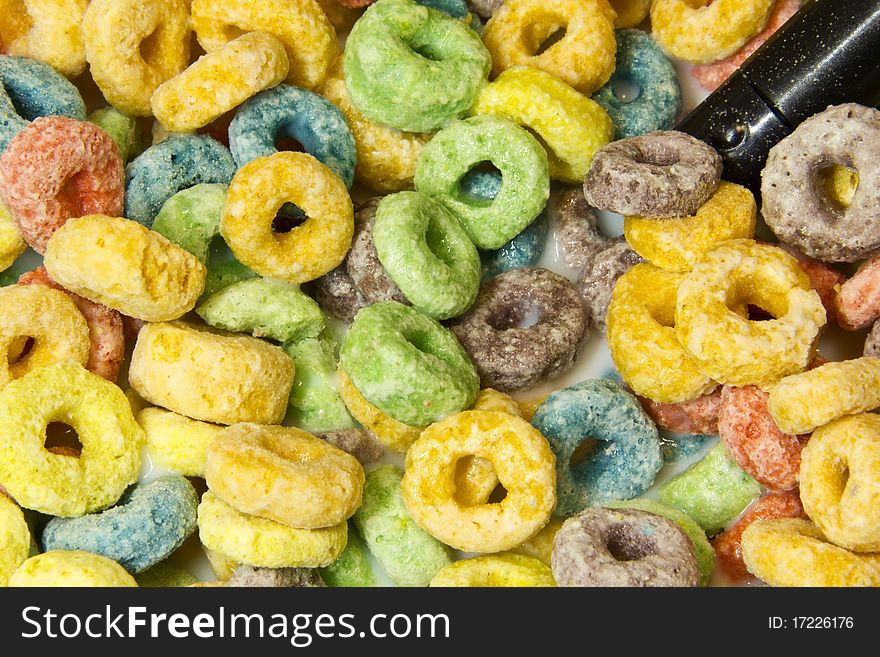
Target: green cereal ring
223	273
121	127
713	491
525	177
191	218
413	68
408	365
15	538
315	404
265	309
427	254
164	575
703	549
408	554
352	568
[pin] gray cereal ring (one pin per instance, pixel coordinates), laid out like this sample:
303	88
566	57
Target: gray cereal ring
336	294
660	174
508	356
577	229
484	8
362	262
597	280
359	443
623	547
793	205
248	576
872	342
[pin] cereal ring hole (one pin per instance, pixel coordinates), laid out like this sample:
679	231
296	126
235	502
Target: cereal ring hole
464	187
656	154
74	191
540	37
62	440
19	348
586	447
837	184
231	32
498	495
625	89
625	543
557	36
521	315
150	46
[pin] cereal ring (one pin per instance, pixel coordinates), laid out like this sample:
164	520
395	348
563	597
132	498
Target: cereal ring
540	545
50	319
177	442
57	168
359	443
728	544
675	244
641	337
264	543
222	565
630	13
219	82
484	8
525	185
660	174
802	402
11	243
413	384
713	491
390	82
343	13
300	25
796	209
522	460
352	568
371	282
577	229
77	569
191	218
697	417
623	547
97	410
125	266
793	552
258	191
164	575
523	250
427	254
702	34
509	349
53	34
583	58
495	570
643	94
15	538
223	274
754	441
572	127
336	293
872	342
284	474
315	403
840	486
134	46
213	377
731	348
408	554
122	128
179	162
626	457
857	300
248	576
824	278
147	525
599	276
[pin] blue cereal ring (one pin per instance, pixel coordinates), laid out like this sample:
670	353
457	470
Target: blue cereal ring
642	65
455	8
624	463
179	162
288	111
150	522
30	89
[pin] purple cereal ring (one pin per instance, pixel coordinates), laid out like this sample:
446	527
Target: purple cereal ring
577	229
597	280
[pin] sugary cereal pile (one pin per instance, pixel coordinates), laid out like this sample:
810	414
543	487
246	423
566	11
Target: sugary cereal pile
221	348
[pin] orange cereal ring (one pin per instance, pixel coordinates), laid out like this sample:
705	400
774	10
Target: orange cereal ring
105	327
857	301
57	168
583	57
133	46
300	25
522	460
255	195
824	278
58	330
48	30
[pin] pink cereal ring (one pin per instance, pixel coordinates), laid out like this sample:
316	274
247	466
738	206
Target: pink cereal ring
857	301
824	278
57	168
710	76
105	327
697	417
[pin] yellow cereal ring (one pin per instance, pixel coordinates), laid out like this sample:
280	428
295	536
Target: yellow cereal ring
48	30
495	570
571	126
177	442
284	474
727	346
527	408
211	376
342	18
15	23
386	157
15	538
58	329
255	195
11	243
207	585
540	545
133	46
300	25
393	434
675	244
583	58
98	411
630	13
220	81
222	565
840	481
125	266
264	543
701	33
490	399
62	568
522	460
642	339
793	552
802	402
